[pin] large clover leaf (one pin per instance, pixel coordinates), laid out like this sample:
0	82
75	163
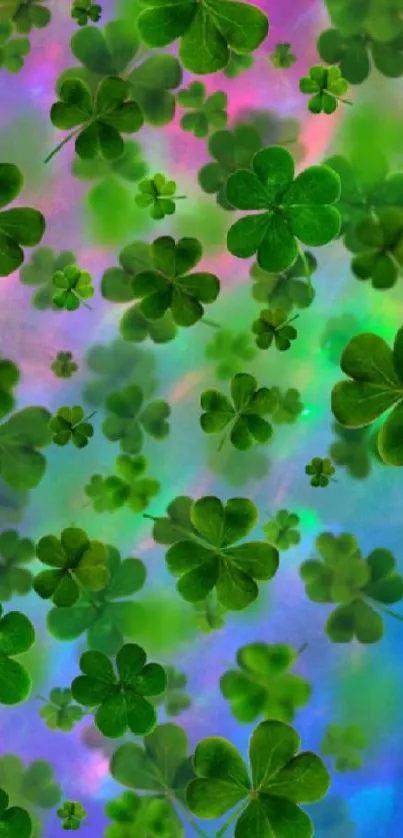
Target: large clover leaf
21	227
22	466
244	416
293	210
76	560
14	821
128	419
14	551
207	31
375	385
120	699
16	636
281	779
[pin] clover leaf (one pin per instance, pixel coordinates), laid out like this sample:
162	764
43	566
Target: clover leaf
115	364
378	243
285	290
128	419
230	349
273	326
128	488
71	813
40	271
14	551
21	465
336	335
262	686
33	787
9	378
209	614
14	821
281	531
67	425
243	416
76	560
281	779
12	503
207	32
131	813
376	384
320	470
293	209
343	576
175	700
60	713
108	616
120	699
351	450
205	112
282	56
20	227
71	287
332	818
345	744
158	193
231	465
237	64
136	328
231	151
64	366
289	406
12	50
26	14
130	165
203	554
354	49
16	636
84	11
327	86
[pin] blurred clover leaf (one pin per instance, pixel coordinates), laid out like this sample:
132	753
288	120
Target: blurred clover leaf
77	562
128	488
84	11
237	64
31	786
14	551
130	165
282	56
12	50
344	744
375	384
98	119
203	555
59	713
120	699
127	419
70	425
116	364
9	378
285	290
243	417
205	112
332	819
206	33
289	406
231	151
108	616
158	193
22	466
209	614
326	86
143	816
25	14
352	450
12	503
273	326
71	287
337	333
299	209
359	585
40	271
175	699
71	813
136	328
64	366
168	286
230	349
14	821
321	471
281	779
19	227
236	469
282	531
378	243
16	636
262	686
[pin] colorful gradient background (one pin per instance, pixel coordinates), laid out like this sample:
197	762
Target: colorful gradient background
350	683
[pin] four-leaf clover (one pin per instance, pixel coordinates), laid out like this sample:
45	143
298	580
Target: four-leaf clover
64	366
20	227
282	56
244	415
321	471
281	531
76	560
127	419
325	85
60	713
71	287
70	425
14	551
128	488
71	813
158	193
84	11
345	744
273	326
285	290
16	636
205	111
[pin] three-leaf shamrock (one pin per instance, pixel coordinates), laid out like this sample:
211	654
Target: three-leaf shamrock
325	85
64	366
205	111
127	419
289	406
14	551
320	470
84	11
120	699
378	243
262	686
345	744
16	636
40	270
282	56
9	378
230	349
285	290
20	227
68	426
175	700
293	210
14	821
60	713
281	779
281	531
376	384
203	534
71	813
158	193
22	466
273	326
71	286
207	30
12	50
244	416
76	560
128	488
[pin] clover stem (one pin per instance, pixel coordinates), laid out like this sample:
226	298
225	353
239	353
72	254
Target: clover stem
63	143
190	820
308	272
87	418
301	649
178	197
345	101
210	323
389	612
223	439
232	817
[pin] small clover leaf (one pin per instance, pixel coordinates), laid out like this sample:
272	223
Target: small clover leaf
64	366
243	416
20	227
60	713
16	636
14	821
26	14
320	470
12	50
285	290
352	451
231	350
40	271
130	165
262	686
70	425
158	193
231	150
128	418
299	209
14	552
289	406
84	11
207	32
71	813
206	112
128	488
120	699
327	86
71	287
281	531
9	378
237	64
22	466
273	326
378	243
282	56
281	779
344	744
76	560
175	700
116	364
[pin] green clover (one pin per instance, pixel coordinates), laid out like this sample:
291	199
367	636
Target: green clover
203	554
12	50
376	384
128	488
281	531
77	562
345	744
71	287
40	271
12	504
84	11
231	465
320	470
343	576
231	151
285	290
9	378
70	425
33	787
231	350
64	366
16	636
71	813
59	713
289	406
22	466
281	779
169	286
338	332
292	209
108	616
14	551
332	819
282	56
379	247
130	165
158	194
128	419
120	700
14	821
20	227
327	86
209	614
206	112
175	700
132	814
273	326
136	328
262	686
116	364
351	450
207	32
25	14
237	64
243	417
